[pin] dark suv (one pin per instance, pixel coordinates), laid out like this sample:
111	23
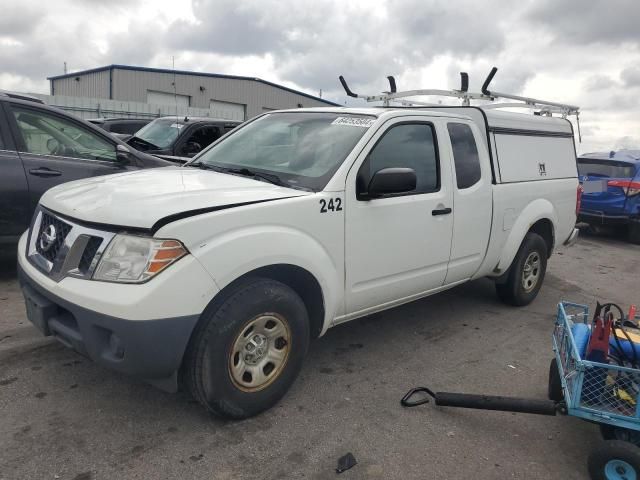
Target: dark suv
179	138
122	126
41	147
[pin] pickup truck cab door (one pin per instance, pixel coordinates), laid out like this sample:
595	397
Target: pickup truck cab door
56	149
472	198
397	247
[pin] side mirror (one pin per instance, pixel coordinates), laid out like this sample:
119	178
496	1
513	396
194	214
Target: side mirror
122	154
191	148
391	180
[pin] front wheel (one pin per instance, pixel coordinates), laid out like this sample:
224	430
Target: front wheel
615	460
248	349
526	274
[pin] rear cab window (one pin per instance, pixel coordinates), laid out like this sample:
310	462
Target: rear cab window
465	155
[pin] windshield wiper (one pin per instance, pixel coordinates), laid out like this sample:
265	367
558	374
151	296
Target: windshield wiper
142	141
246	172
201	165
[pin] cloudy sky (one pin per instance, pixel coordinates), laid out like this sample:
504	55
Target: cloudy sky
584	52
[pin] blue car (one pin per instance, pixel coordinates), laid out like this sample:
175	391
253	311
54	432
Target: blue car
611	190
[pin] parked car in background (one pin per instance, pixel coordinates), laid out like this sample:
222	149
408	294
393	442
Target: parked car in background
122	128
40	147
611	183
179	138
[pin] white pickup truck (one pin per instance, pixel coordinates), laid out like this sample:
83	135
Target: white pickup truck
216	275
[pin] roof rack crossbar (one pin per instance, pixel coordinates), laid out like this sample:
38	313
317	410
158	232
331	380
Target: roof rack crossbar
544	106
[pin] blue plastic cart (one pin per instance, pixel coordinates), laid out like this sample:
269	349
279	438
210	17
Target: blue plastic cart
602	393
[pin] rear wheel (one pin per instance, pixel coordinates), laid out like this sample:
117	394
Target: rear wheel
633	233
554	390
609	432
526	274
248	349
615	460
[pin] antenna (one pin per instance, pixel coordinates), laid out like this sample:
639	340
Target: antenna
65	68
175	88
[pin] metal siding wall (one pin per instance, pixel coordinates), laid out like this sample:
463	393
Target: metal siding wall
100	107
132	85
95	85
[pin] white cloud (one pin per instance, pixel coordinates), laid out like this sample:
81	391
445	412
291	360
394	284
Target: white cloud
576	51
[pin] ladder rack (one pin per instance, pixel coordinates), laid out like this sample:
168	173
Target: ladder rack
544	107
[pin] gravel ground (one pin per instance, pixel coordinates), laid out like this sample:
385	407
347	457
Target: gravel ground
64	417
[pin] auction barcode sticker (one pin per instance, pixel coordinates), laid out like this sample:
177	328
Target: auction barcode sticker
354	121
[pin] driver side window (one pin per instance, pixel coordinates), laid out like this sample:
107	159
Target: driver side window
409	145
200	139
46	134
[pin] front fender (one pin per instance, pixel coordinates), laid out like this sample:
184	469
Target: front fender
235	253
539	209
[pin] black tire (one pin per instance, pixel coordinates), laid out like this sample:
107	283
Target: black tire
512	290
610	454
633	232
609	432
207	368
595	230
554	391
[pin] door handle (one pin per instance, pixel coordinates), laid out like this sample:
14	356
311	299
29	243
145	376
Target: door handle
441	211
44	172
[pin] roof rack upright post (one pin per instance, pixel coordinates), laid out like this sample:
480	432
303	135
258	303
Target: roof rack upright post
392	84
464	88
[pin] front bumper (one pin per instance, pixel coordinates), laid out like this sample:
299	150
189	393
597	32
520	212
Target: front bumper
149	349
121	326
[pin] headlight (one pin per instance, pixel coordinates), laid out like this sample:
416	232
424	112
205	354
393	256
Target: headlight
131	259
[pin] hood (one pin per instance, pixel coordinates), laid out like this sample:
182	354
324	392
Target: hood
143	198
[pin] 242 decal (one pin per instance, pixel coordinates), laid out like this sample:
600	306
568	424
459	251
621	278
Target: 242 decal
333	205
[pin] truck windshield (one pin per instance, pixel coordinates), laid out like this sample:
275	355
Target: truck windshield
301	149
160	133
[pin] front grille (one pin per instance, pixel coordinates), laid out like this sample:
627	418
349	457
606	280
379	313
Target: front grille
51	236
89	253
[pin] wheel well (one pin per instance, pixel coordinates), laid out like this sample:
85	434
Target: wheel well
544	228
303	283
